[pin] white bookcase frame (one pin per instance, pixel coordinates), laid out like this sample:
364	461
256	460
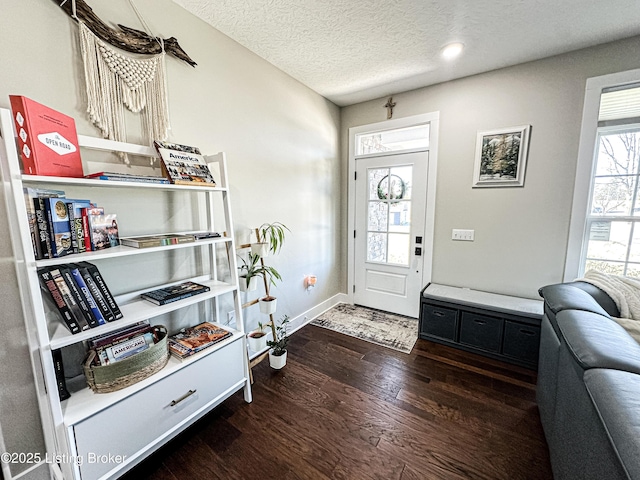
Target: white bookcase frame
63	420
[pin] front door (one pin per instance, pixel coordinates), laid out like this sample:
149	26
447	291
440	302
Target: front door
390	201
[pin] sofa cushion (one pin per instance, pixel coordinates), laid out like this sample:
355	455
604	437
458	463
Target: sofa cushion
598	342
569	296
616	397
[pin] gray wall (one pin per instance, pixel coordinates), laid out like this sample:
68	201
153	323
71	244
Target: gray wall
520	233
281	140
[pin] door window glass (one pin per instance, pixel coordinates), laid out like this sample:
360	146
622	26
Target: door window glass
389	215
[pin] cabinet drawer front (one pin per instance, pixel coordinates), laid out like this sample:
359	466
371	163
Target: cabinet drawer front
439	321
136	422
521	341
481	331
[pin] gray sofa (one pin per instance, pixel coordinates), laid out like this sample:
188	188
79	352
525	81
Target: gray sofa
588	389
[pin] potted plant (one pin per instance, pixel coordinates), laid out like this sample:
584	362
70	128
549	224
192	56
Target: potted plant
260	248
268	302
273	234
257	339
278	346
249	273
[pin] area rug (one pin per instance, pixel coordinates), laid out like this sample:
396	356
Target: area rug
387	329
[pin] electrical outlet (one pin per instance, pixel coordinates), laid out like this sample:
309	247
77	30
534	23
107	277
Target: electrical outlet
463	235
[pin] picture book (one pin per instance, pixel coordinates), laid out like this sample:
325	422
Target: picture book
104	289
96	293
178	147
127	177
59	227
77	295
68	298
119	335
58	367
104	231
74	209
195	339
126	348
30	194
85	213
185	168
47	139
88	296
49	284
174	293
148	241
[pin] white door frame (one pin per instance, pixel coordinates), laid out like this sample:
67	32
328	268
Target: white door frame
427	248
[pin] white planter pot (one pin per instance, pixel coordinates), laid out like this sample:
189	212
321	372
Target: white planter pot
257	344
277	362
253	284
268	307
261	249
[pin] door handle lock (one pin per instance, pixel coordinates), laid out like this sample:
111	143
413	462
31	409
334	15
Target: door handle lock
418	251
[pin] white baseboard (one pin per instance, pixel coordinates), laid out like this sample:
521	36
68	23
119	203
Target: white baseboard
306	317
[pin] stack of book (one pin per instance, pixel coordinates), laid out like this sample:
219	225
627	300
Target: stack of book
80	294
148	241
62	226
195	339
116	346
183	290
126	177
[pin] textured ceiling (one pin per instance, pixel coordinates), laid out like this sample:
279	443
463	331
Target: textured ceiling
350	51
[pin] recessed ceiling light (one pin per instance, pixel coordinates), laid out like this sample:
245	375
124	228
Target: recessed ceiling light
452	50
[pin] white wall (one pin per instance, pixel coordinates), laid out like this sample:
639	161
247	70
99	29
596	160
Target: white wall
280	137
520	233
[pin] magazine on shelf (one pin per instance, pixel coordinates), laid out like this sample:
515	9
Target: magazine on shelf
184	167
183	290
195	339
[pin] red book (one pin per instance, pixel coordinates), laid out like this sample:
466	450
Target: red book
47	139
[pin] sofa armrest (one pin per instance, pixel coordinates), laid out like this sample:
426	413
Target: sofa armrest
616	398
598	342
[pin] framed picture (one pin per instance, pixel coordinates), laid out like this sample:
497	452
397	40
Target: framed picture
501	157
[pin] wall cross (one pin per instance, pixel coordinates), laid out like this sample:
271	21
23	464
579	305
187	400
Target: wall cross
389	106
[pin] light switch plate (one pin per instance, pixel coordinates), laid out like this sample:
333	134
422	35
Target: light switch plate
463	235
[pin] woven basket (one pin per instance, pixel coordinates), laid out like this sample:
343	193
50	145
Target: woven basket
116	376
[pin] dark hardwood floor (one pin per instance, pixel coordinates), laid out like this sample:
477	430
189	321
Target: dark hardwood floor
343	408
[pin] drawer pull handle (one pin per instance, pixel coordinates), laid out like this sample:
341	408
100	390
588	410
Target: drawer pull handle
479	322
527	332
184	397
438	313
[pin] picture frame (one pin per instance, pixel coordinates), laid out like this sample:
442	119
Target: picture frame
501	157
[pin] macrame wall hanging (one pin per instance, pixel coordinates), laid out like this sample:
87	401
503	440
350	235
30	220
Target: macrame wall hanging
115	81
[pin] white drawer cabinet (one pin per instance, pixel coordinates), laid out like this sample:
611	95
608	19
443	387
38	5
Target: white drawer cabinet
126	430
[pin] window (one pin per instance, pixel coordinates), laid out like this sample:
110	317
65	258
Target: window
409	138
611	239
613	220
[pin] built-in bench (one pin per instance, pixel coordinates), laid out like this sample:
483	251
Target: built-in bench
497	326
